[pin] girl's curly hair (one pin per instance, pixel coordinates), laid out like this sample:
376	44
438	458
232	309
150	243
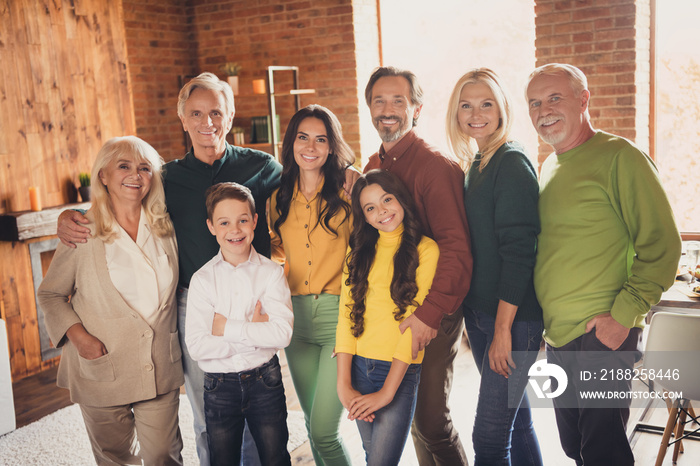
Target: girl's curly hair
363	241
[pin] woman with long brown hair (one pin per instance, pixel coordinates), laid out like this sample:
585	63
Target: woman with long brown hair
310	216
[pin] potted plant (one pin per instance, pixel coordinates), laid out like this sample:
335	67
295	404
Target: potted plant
84	188
232	69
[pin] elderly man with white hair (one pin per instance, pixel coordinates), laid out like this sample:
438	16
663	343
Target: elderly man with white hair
608	248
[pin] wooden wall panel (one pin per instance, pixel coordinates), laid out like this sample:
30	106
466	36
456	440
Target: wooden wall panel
64	90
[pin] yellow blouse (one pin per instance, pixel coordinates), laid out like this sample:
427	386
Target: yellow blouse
381	338
314	257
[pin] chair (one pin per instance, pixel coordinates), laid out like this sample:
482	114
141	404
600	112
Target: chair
673	344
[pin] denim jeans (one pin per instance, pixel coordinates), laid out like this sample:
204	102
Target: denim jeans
194	382
255	396
194	387
595	434
384	439
503	434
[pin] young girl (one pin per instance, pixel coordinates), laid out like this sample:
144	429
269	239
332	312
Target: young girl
501	312
390	268
310	215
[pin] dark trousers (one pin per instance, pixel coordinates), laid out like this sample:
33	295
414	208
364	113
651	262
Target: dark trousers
255	396
590	432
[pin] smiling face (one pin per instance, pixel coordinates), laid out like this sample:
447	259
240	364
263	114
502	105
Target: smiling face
127	179
557	112
381	209
233	224
311	146
392	110
478	114
207	122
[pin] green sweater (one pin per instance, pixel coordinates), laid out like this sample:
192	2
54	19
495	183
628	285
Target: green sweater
609	242
501	205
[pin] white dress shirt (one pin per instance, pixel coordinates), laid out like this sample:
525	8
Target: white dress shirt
140	270
233	291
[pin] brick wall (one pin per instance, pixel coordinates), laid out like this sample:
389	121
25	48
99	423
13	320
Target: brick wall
609	41
160	48
318	37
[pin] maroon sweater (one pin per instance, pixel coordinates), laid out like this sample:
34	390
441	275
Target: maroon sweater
437	184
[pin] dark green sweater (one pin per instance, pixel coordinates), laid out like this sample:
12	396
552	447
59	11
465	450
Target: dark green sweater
186	181
501	205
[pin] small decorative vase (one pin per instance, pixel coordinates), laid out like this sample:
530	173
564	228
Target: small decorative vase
84	193
233	82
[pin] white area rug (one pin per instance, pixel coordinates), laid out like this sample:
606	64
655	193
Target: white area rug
60	439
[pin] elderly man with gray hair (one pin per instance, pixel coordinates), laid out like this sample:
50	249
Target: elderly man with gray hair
608	248
206	108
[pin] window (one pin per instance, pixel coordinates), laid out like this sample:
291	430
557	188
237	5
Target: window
677	103
440	41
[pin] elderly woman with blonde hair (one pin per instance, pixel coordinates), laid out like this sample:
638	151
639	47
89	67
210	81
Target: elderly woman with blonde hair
110	305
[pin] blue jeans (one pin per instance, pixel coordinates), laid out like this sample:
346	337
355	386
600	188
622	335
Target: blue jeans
194	382
255	396
194	387
384	439
503	434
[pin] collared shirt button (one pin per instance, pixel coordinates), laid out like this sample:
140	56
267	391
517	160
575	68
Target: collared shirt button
306	226
307	245
309	262
308	206
148	333
306	283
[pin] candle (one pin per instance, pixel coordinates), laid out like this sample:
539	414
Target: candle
34	198
258	86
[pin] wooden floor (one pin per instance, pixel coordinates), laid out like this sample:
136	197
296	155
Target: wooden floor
38	396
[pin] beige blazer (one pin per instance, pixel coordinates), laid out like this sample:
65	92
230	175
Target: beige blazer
142	361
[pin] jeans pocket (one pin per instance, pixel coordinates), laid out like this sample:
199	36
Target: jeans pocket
590	342
211	382
272	377
412	376
535	336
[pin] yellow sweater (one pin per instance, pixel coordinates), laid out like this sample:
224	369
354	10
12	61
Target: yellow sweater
314	257
382	339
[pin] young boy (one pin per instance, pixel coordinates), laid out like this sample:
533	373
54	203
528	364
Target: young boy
239	313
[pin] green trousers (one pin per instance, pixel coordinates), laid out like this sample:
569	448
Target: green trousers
314	373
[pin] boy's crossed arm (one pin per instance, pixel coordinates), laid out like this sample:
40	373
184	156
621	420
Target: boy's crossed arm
272	320
219	324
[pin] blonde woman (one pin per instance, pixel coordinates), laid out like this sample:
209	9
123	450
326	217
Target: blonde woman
110	305
502	315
